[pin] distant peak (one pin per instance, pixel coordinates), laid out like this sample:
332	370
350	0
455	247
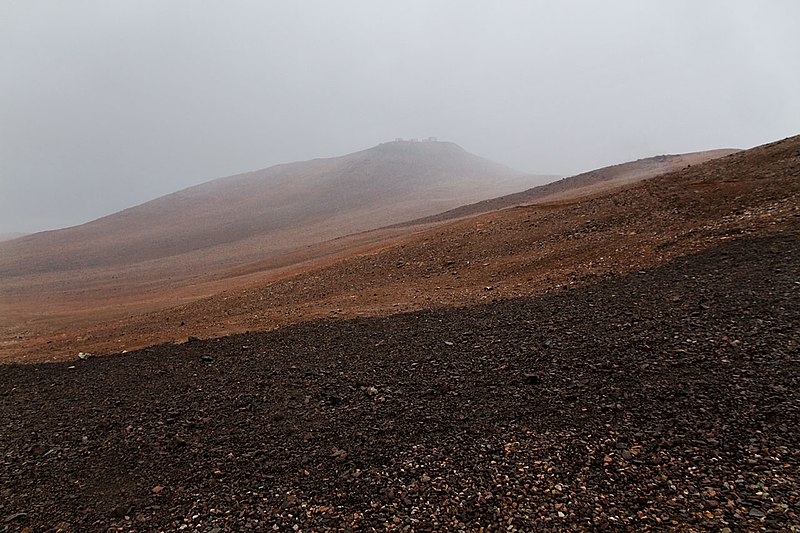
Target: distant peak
428	144
415	140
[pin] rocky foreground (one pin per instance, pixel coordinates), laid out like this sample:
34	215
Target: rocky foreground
665	399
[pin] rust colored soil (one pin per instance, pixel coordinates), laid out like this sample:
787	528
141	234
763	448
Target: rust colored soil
665	399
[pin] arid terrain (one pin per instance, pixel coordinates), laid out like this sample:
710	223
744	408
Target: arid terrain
261	214
53	310
622	359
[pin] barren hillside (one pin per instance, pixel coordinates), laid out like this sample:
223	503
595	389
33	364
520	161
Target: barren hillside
266	212
509	253
666	398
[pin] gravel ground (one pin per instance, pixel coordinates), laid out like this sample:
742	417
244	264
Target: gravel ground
664	399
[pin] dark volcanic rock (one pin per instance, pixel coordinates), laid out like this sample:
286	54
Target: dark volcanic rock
667	399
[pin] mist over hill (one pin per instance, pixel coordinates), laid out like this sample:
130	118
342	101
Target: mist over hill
274	210
10	236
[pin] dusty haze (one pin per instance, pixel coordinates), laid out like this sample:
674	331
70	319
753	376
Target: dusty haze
105	105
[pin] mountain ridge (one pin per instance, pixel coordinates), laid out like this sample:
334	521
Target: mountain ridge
617	175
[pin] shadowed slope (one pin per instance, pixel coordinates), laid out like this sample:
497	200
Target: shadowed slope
672	394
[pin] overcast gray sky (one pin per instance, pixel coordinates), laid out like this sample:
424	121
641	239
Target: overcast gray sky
105	104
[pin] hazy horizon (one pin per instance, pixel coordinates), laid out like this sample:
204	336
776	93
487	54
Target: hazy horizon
110	104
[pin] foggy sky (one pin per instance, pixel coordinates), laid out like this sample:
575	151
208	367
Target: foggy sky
105	104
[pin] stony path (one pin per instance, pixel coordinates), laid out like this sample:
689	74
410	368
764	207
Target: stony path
666	399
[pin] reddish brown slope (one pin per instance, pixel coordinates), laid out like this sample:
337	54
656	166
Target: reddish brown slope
586	183
519	251
156	254
661	400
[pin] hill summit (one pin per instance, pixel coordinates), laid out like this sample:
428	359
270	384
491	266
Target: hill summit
257	214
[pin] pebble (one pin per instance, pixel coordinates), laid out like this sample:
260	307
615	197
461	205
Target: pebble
15	516
682	447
